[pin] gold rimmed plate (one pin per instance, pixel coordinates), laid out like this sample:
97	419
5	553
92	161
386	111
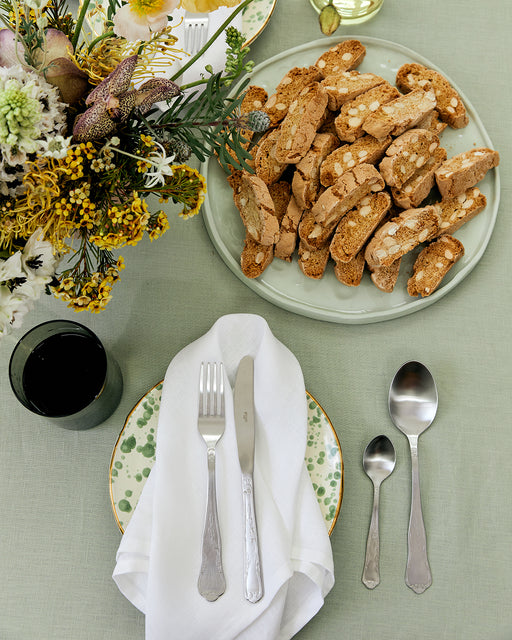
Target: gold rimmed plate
135	452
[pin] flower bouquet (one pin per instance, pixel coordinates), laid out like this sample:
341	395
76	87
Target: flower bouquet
87	132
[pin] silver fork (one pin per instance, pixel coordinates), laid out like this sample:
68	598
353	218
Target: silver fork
195	31
211	423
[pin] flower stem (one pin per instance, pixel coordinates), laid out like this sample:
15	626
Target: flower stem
79	23
226	23
107	34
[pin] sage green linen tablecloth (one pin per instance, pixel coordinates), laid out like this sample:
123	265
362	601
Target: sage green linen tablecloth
58	535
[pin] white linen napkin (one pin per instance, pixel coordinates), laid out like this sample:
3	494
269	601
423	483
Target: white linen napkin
216	53
159	557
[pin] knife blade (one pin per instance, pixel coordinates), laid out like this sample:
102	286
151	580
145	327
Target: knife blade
245	436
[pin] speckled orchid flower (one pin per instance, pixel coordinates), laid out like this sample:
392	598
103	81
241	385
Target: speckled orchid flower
112	101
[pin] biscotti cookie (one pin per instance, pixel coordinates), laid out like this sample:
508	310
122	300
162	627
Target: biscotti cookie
255	257
365	150
350	273
385	278
454	212
464	170
417	188
345	86
432	264
349	121
432	123
401	234
285	246
406	155
266	165
306	178
312	234
298	129
312	262
288	89
257	209
395	117
345	56
449	104
346	192
280	192
357	226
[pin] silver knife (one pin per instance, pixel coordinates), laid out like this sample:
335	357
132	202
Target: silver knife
244	424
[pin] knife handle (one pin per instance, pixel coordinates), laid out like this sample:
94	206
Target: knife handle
253	584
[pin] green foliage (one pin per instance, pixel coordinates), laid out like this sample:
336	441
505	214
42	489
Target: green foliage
208	123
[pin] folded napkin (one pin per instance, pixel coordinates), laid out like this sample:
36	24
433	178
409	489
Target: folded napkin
159	557
216	53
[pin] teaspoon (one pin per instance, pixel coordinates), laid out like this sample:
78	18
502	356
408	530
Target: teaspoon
412	407
378	462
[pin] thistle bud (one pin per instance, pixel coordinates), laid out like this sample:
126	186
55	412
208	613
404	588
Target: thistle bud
329	20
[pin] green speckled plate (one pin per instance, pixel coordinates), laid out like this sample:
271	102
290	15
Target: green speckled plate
254	17
134	456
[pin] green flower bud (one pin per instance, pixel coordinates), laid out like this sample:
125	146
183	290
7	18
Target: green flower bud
329	20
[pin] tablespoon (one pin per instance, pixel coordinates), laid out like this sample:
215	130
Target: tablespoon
412	407
378	462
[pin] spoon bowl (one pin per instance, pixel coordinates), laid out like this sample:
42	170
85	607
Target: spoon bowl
378	462
412	405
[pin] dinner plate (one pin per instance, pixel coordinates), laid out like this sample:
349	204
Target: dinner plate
283	283
254	17
135	450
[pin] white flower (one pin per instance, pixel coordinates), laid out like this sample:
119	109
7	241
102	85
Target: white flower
160	167
55	147
39	260
13	307
11	268
138	19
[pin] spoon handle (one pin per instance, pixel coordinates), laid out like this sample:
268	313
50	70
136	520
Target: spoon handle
417	576
371	574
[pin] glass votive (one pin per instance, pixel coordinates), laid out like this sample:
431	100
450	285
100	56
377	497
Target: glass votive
60	370
352	11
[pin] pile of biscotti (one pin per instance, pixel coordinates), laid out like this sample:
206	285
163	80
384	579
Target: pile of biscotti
343	172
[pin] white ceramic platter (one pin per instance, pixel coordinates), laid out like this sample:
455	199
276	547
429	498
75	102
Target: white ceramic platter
135	453
283	283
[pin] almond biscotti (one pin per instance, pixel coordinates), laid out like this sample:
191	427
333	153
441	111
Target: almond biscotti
385	278
306	178
464	170
349	121
285	246
432	265
255	257
287	90
344	87
257	209
345	56
449	104
350	273
298	129
280	192
312	262
365	150
395	117
417	188
346	192
312	234
266	165
408	153
357	226
401	234
454	212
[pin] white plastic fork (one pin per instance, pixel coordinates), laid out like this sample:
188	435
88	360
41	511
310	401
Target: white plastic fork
211	423
195	31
